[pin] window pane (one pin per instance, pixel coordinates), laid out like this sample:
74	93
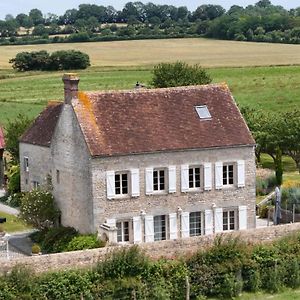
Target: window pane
197	177
191	178
119	232
126	231
159	228
225	220
224	175
195	223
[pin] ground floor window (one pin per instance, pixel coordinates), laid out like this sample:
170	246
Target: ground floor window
229	220
123	231
195	223
159	228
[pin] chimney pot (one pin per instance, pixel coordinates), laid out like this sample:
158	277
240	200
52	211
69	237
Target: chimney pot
71	81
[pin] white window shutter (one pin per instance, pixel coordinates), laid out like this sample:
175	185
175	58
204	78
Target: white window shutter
111	222
149	181
137	230
135	182
218	175
218	219
110	184
207	177
241	173
149	229
208	222
173	226
185	224
242	217
172	179
184	178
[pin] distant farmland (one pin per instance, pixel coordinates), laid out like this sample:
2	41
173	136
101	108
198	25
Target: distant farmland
207	52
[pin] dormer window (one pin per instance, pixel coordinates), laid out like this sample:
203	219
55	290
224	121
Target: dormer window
203	112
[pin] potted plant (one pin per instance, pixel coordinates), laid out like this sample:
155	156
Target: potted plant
36	249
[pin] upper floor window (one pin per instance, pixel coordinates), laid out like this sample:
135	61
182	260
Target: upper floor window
228	174
229	220
121	183
194	177
26	164
159	179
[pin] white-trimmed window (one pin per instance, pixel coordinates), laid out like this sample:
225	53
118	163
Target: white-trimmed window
228	174
35	185
194	177
160	230
229	220
196	227
159	180
26	164
121	183
122	231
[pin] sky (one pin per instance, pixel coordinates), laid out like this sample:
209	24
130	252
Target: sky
58	7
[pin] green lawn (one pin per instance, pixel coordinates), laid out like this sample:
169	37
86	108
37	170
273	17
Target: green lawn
13	224
270	88
284	295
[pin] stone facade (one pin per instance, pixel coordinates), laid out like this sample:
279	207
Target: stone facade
1	169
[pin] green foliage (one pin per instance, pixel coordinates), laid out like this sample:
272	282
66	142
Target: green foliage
6	291
13	131
38	209
178	74
13	177
59	60
35	249
265	186
84	242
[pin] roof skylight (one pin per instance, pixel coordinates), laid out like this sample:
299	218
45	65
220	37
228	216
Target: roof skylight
203	112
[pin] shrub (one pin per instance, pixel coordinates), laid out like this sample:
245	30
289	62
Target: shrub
38	209
35	249
178	74
84	242
13	176
251	276
263	211
6	291
15	200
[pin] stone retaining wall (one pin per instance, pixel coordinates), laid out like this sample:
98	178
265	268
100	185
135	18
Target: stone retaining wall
168	249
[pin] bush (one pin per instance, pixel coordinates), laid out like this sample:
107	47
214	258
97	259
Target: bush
38	209
6	291
35	249
13	176
84	242
178	74
15	200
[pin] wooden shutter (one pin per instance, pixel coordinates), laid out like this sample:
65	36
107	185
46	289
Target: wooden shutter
219	175
149	229
110	184
111	222
135	182
242	217
149	181
218	220
241	173
185	224
173	226
184	178
137	230
207	177
208	221
172	179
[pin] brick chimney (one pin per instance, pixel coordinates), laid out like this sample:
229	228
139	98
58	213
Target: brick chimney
71	81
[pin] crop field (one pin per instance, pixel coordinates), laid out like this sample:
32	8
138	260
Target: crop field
119	65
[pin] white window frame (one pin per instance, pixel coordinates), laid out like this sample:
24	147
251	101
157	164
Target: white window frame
35	184
121	184
160	235
227	178
227	216
159	190
124	237
201	227
26	163
194	167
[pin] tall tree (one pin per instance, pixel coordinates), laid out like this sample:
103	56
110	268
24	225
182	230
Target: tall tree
36	16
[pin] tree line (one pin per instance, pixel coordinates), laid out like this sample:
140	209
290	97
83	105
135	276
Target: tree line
262	22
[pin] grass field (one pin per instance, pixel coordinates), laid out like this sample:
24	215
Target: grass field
13	224
207	52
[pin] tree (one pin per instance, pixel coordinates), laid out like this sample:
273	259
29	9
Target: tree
178	74
14	130
36	16
39	209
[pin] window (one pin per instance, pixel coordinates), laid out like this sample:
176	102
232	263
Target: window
159	228
159	180
123	231
26	164
194	177
229	220
121	183
227	174
203	112
35	185
195	223
57	176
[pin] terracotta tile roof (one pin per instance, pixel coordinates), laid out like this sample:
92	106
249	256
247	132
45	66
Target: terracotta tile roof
42	129
123	122
2	141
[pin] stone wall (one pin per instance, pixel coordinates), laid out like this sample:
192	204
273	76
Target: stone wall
168	249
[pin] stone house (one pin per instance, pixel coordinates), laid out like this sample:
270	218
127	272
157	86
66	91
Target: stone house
2	147
146	164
